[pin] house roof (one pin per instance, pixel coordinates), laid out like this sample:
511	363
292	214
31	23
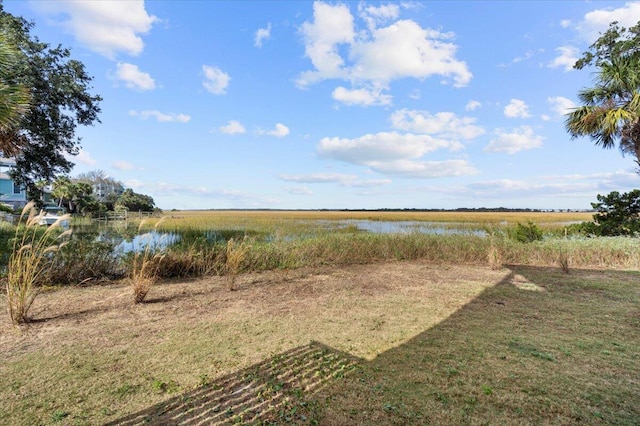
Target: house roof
7	162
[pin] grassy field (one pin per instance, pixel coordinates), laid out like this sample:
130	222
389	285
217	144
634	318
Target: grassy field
386	343
297	220
341	328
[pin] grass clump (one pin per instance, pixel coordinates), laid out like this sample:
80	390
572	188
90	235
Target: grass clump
30	259
235	255
144	269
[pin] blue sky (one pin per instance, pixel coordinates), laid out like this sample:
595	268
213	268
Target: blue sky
305	105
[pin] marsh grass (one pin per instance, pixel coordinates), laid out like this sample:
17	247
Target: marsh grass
30	259
144	268
494	256
235	252
288	240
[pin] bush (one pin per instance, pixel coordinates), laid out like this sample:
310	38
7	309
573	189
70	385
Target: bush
617	214
526	233
83	260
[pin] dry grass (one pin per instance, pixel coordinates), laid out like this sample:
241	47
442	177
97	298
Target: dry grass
236	254
144	268
190	217
391	343
110	356
29	260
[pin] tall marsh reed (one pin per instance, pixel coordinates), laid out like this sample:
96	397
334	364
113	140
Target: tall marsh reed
144	268
236	253
31	255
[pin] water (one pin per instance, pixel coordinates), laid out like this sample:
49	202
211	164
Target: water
126	240
154	241
402	227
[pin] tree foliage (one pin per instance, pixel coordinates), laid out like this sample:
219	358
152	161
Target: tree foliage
616	214
134	202
15	99
75	196
60	102
610	111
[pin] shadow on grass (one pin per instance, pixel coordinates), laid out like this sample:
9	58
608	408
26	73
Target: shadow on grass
540	346
267	392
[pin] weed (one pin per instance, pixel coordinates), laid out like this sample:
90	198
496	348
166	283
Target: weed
162	386
126	389
204	379
494	256
235	255
30	260
144	270
487	390
59	415
563	261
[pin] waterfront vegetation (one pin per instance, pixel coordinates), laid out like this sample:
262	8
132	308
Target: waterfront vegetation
198	243
508	318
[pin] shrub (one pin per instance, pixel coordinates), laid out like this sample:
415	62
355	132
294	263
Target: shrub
617	214
84	260
527	233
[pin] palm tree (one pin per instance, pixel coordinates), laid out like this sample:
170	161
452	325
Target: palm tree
14	100
611	110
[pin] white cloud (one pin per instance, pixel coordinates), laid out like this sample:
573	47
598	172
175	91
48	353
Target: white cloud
215	81
472	105
560	186
280	131
424	169
339	178
83	157
396	154
565	23
597	21
519	139
375	16
442	124
361	97
262	34
233	127
517	109
133	78
106	26
160	116
299	190
373	57
508	188
170	189
404	49
566	59
561	105
332	25
123	165
318	178
382	147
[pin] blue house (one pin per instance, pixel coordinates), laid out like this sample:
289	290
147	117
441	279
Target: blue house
10	193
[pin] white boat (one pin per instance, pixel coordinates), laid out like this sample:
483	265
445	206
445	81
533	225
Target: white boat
50	218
